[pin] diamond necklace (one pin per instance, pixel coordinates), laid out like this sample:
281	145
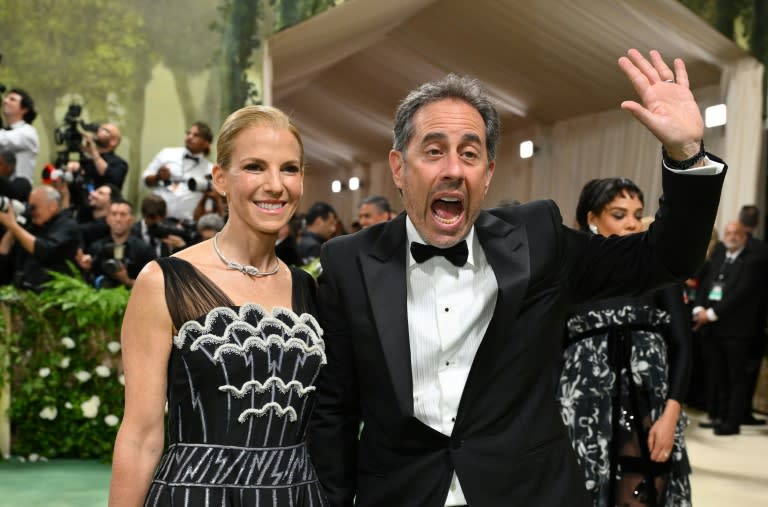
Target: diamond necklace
244	269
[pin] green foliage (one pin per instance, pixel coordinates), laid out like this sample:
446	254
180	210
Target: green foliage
292	12
80	48
63	350
245	23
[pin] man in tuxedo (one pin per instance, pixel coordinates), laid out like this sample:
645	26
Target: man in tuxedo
730	313
443	326
170	172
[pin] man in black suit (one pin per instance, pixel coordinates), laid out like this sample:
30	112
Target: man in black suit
730	312
749	216
443	326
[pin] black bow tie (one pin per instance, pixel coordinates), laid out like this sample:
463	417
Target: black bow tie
192	157
456	254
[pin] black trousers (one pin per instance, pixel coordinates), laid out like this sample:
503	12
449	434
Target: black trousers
754	362
730	381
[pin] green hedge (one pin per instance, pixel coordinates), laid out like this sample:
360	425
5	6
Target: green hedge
63	351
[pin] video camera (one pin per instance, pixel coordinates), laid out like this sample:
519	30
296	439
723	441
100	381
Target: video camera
69	134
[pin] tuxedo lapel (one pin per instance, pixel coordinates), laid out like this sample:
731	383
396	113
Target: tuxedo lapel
384	272
506	248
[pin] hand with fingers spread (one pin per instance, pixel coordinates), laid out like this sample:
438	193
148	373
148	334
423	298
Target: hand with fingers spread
667	107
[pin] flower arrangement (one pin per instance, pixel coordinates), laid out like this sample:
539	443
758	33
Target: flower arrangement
62	355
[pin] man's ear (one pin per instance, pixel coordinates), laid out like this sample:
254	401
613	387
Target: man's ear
489	176
396	164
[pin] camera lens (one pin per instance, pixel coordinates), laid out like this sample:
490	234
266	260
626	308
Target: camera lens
110	266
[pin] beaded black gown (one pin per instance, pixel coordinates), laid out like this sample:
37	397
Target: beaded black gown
240	395
624	358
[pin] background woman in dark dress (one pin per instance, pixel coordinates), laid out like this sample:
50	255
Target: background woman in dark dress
626	368
224	331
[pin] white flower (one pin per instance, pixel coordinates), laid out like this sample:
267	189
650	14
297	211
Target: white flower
48	413
91	407
64	363
113	347
102	371
121	379
44	372
82	376
111	420
34	457
68	405
43	458
68	342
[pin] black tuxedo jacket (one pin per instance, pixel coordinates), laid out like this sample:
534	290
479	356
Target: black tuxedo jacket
509	445
741	311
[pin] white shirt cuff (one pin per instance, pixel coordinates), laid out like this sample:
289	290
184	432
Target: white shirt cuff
710	168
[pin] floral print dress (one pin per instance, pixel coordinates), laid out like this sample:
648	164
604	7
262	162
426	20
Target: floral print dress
615	380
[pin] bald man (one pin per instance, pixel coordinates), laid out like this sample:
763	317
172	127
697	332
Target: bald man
108	167
44	244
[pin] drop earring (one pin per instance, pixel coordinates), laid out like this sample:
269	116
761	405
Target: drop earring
593	228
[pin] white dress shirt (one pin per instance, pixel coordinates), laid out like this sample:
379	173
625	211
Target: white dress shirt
449	309
22	140
180	199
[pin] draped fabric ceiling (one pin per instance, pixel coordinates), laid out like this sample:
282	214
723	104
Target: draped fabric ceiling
544	62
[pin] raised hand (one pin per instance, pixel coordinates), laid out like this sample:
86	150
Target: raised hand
668	107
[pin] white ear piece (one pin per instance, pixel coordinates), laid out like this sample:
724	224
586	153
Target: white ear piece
223	194
593	228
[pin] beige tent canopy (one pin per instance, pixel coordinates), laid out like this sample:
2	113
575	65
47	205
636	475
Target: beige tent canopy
550	66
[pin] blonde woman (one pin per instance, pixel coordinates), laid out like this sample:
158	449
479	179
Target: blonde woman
225	333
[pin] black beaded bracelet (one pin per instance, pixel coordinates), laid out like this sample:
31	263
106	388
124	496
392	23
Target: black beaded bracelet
683	164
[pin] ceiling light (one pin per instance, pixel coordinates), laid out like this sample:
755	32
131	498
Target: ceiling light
714	116
354	183
336	186
526	149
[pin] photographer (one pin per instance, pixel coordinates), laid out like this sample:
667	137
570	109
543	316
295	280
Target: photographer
153	226
118	258
19	113
100	164
93	219
49	240
10	185
169	173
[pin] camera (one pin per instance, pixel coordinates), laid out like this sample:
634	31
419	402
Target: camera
200	184
161	230
51	174
19	208
69	134
113	256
